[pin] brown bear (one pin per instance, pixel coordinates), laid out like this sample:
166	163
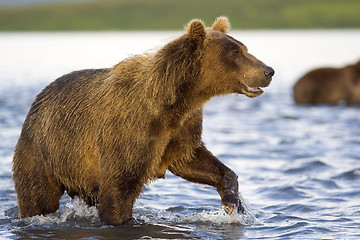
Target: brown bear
329	86
102	134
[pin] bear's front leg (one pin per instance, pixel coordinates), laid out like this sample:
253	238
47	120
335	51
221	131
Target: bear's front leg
205	168
117	197
228	190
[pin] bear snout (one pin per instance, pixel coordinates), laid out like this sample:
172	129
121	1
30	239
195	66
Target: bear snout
268	72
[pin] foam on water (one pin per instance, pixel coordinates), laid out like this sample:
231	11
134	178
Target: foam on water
180	215
73	211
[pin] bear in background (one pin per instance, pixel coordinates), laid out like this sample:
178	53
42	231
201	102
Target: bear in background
329	86
103	134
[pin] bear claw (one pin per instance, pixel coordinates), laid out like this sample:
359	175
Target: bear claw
230	209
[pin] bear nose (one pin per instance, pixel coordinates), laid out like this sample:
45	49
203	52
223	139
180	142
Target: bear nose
269	72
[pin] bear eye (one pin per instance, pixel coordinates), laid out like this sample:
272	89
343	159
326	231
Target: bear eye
235	52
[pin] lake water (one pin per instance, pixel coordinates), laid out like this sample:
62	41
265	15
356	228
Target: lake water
298	167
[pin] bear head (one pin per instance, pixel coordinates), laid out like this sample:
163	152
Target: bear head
209	62
226	65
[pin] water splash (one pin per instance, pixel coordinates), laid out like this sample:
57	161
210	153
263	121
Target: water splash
182	215
72	211
76	212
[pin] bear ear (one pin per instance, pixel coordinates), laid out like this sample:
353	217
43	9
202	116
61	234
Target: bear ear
196	30
221	24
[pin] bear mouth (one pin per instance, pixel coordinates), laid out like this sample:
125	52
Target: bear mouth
251	91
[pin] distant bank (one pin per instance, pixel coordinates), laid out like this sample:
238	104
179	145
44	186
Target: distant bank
92	15
22	3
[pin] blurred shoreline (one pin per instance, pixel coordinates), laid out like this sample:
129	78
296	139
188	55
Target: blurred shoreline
24	3
107	15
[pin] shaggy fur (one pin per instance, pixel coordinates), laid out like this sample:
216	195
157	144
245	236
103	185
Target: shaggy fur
329	86
103	134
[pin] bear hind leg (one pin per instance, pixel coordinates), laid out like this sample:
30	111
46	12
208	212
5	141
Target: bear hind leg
37	192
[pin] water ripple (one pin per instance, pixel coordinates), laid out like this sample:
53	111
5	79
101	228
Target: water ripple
306	166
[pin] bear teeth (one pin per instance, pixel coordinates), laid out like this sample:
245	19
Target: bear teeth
251	91
255	90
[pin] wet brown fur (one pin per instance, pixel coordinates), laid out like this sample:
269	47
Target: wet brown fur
103	134
329	86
